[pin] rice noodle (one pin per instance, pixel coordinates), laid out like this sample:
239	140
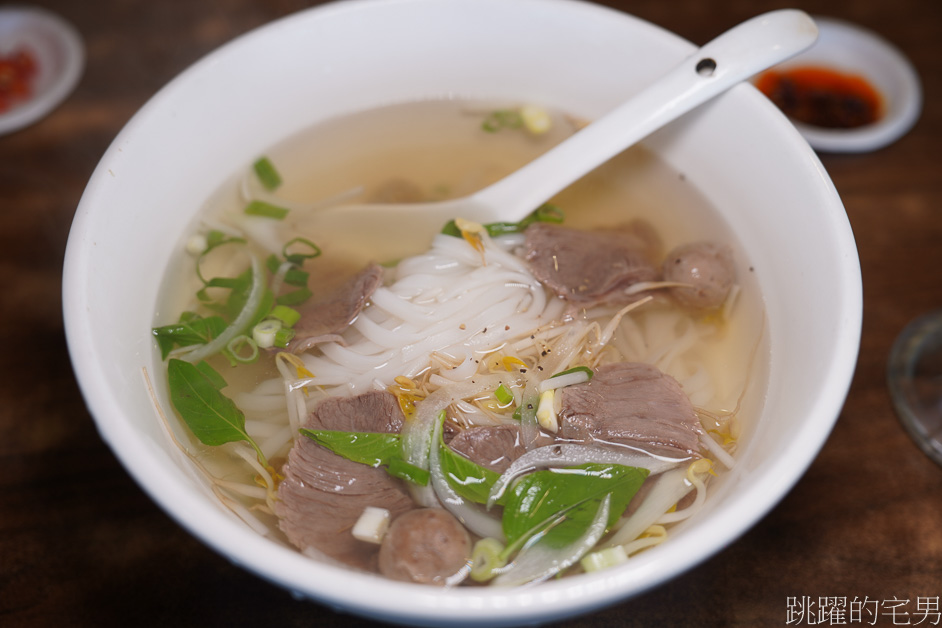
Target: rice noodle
446	300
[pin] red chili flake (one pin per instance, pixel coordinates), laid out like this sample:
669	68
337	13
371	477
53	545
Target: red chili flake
823	97
17	72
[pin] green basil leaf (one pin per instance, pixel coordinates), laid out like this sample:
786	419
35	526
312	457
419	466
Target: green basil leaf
372	448
399	468
470	480
534	503
191	330
212	417
211	374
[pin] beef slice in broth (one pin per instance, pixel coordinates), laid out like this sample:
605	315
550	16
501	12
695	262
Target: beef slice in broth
323	494
631	404
323	320
494	447
590	267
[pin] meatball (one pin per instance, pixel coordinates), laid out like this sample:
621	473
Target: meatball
708	271
427	545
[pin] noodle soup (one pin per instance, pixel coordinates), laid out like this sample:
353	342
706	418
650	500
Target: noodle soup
464	405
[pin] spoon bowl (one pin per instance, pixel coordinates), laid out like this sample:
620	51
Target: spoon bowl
741	52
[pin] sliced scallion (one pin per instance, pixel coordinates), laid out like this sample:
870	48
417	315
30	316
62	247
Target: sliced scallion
283	336
543	213
237	347
308	250
576	369
266	173
295	297
287	315
264	333
503	395
266	210
296	277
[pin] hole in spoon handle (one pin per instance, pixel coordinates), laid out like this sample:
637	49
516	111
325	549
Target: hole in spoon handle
706	67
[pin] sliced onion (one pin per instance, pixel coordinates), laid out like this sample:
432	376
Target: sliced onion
417	433
537	562
241	321
561	381
573	454
669	489
529	426
469	514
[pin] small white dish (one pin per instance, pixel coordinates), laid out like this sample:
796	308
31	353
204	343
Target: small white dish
851	49
60	58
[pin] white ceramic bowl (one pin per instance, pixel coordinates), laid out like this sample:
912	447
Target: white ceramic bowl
217	116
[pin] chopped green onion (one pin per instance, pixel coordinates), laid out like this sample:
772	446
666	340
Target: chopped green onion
239	343
264	333
296	257
487	559
543	213
547	212
266	210
372	525
536	119
287	315
214	239
451	229
502	119
296	277
294	298
575	369
604	559
546	413
266	173
503	395
283	336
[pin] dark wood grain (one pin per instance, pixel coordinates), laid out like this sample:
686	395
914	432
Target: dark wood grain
81	544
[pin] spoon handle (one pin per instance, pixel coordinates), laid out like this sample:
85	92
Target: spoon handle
737	54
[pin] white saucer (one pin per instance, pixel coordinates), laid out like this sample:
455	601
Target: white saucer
845	47
60	59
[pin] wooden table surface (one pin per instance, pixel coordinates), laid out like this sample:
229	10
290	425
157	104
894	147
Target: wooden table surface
81	544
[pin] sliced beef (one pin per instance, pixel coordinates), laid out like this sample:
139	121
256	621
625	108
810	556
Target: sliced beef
494	446
708	270
323	320
427	546
590	267
324	494
630	404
